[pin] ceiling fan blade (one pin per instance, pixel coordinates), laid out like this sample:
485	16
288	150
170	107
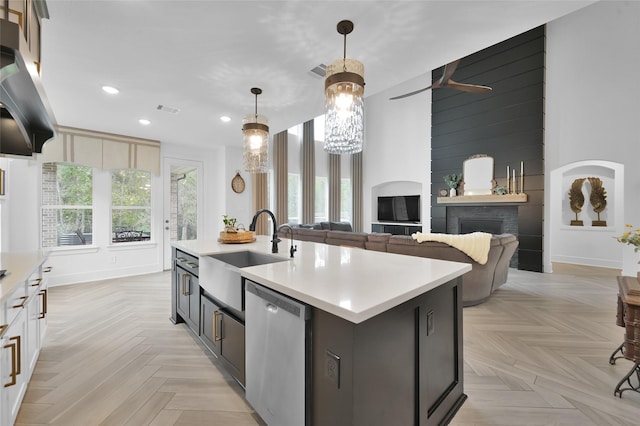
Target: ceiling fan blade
406	95
471	88
449	69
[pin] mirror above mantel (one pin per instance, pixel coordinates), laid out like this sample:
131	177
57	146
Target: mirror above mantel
477	172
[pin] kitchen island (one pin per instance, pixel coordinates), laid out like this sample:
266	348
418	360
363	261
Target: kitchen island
386	329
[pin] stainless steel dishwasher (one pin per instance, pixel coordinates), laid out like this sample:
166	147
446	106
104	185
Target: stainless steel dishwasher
278	356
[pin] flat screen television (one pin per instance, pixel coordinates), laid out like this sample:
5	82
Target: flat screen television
399	208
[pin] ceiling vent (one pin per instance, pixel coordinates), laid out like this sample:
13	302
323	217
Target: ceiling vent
318	71
169	109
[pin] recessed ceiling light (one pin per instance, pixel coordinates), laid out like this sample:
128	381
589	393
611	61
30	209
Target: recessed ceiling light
144	122
225	118
110	90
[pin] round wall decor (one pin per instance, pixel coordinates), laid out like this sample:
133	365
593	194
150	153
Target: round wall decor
237	183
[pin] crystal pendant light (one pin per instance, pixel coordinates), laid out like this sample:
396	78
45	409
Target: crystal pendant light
344	109
256	139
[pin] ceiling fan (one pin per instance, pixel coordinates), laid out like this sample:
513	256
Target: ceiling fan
445	81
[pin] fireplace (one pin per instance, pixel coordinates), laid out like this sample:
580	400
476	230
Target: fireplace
494	219
468	225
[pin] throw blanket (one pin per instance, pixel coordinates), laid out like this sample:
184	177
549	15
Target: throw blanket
475	245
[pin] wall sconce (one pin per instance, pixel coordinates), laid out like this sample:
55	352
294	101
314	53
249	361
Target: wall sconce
256	139
344	107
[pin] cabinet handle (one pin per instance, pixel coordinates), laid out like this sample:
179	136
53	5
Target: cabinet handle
47	269
184	284
188	277
17	339
217	326
21	305
192	265
37	282
43	293
13	373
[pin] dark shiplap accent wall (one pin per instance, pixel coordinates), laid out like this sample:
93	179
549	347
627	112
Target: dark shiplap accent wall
507	124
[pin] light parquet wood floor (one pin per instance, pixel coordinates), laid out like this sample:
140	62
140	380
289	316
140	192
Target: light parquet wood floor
535	354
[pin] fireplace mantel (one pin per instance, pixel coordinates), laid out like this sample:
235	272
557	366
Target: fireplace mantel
484	199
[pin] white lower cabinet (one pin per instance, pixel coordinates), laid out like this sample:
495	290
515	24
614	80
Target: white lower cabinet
12	370
32	344
23	321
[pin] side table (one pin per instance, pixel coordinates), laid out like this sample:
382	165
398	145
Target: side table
628	316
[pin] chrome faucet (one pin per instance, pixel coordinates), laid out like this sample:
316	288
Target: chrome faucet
275	240
293	248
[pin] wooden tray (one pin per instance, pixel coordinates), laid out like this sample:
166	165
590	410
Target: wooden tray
237	238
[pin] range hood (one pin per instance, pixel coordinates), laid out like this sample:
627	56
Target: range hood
26	120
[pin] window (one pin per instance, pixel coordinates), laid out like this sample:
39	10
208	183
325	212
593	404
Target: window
67	205
321	199
294	208
130	206
346	189
346	200
294	177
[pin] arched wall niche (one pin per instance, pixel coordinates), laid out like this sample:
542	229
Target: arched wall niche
587	244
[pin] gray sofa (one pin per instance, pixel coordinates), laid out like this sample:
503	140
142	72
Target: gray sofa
478	284
483	280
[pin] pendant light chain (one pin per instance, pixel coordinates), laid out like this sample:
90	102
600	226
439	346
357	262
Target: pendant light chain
256	110
344	56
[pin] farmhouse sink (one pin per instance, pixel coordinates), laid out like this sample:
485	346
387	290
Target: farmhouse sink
220	275
245	258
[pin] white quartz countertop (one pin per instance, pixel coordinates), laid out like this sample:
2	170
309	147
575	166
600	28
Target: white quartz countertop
351	283
19	267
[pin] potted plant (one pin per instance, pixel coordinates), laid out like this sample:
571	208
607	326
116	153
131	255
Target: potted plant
631	237
229	224
453	180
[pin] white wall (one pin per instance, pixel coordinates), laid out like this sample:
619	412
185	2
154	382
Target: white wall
592	92
22	205
237	205
398	147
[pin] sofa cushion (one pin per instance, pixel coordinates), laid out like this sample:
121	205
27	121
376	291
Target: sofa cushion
377	241
314	235
510	244
325	225
341	226
344	238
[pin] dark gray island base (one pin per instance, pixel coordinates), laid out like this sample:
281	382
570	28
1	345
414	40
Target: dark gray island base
401	367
